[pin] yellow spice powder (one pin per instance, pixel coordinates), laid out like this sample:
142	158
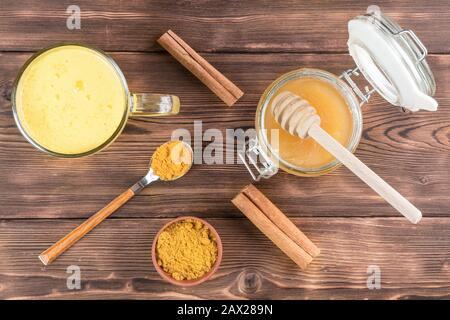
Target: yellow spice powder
186	250
171	160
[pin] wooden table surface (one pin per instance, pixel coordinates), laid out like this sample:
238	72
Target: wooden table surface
251	42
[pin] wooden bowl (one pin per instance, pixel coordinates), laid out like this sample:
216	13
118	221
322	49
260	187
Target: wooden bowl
206	276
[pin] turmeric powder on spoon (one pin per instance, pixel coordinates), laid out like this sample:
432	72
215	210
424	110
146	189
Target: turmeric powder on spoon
171	160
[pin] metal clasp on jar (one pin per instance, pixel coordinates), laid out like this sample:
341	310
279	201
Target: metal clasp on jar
363	95
256	161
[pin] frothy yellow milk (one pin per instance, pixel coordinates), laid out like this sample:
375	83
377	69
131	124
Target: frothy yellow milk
70	100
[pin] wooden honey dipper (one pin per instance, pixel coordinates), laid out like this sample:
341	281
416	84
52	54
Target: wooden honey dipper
298	117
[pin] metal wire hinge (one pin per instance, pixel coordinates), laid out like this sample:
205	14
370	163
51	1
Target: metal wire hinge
363	95
255	156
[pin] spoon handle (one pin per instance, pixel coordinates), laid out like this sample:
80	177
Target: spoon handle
389	194
76	234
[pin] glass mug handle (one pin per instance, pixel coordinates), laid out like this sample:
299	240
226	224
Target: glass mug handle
151	105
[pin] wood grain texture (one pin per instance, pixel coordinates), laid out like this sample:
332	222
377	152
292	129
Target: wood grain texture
115	261
251	42
225	26
411	151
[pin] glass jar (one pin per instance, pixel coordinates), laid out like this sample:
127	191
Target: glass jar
264	107
391	59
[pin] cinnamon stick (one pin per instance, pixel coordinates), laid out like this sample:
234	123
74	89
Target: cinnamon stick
266	226
280	220
226	90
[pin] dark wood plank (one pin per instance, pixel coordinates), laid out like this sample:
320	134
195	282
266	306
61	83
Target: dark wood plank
115	261
411	151
229	26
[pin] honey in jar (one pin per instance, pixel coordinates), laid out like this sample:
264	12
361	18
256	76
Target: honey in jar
335	116
337	107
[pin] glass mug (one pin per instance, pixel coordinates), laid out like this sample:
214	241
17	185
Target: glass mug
73	100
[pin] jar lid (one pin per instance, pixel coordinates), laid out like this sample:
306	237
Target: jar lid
392	60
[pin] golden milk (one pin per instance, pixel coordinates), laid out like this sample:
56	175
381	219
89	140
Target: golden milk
336	119
70	100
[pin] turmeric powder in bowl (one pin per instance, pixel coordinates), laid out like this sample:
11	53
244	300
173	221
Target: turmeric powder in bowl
187	251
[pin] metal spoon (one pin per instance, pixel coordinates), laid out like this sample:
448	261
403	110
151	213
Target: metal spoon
76	234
